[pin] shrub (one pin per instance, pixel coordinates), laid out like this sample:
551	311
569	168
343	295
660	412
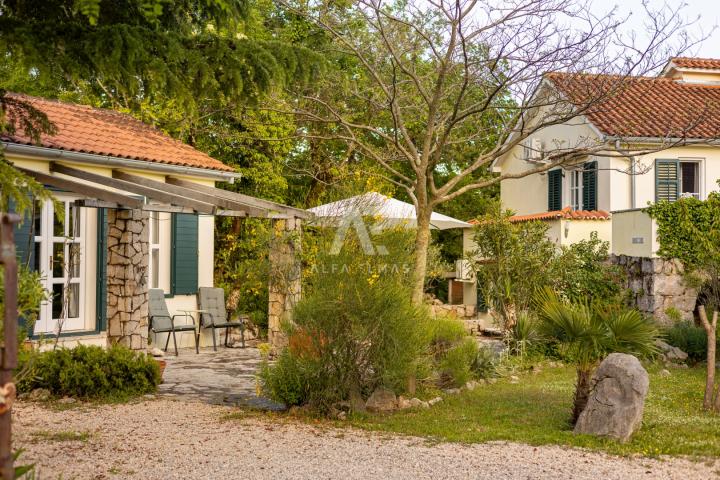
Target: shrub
355	329
444	332
689	338
89	372
455	368
484	364
525	336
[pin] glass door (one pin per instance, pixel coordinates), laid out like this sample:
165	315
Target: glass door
59	251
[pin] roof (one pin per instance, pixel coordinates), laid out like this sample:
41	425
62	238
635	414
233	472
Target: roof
98	131
699	63
565	214
644	106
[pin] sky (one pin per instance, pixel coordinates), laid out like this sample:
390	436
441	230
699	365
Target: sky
707	10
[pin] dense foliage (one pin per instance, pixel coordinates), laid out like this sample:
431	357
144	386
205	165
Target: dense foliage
689	338
689	230
513	260
88	372
355	328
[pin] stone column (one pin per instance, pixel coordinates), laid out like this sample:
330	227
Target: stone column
285	277
127	290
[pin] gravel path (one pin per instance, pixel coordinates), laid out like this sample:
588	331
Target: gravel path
165	439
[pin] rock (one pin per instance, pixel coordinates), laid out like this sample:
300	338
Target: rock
617	398
665	372
434	401
471	385
452	391
67	400
341	415
381	400
156	352
514	379
403	403
670	353
149	396
357	404
39	395
491	381
416	402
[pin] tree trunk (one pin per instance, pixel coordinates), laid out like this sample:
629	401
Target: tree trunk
582	392
710	329
422	244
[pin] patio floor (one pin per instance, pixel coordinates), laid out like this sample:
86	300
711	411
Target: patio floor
225	377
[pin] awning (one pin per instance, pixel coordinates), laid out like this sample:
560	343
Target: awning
125	190
388	212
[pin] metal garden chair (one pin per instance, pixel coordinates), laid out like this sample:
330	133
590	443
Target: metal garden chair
162	322
214	315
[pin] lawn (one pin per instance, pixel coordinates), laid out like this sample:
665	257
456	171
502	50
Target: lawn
536	411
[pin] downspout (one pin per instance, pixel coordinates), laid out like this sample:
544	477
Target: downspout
632	172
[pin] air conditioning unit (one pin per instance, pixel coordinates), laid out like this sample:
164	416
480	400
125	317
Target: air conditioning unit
534	151
463	271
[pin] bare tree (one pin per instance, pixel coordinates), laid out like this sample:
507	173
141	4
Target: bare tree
439	90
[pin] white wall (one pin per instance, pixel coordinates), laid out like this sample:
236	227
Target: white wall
634	233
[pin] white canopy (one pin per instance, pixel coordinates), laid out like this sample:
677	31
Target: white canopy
388	211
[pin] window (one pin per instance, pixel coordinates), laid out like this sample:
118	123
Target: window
689	179
576	188
154	245
676	178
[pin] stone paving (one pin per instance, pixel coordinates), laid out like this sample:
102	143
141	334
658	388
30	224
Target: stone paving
225	377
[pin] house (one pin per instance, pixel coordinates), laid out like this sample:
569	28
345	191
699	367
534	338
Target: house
140	209
670	123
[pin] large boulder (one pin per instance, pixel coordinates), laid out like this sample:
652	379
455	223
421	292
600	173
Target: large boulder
670	353
617	398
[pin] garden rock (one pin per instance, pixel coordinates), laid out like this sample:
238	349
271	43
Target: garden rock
617	398
471	385
670	353
452	391
381	400
67	400
403	403
665	372
434	401
514	379
39	395
416	402
156	352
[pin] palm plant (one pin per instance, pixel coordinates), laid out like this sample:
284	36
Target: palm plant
587	334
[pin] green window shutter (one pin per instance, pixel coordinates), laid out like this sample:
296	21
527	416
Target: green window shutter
667	180
184	262
101	271
24	238
554	190
589	192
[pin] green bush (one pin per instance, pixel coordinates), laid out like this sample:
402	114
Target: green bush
455	368
444	332
89	372
355	329
525	336
484	364
689	338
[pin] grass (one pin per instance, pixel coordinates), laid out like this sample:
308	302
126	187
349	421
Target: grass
60	436
536	411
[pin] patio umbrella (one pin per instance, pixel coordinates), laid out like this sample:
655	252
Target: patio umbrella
388	212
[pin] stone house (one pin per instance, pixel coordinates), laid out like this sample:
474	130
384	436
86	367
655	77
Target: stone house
670	121
139	213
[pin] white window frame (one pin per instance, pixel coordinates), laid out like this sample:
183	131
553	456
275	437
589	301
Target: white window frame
47	239
154	250
576	189
700	194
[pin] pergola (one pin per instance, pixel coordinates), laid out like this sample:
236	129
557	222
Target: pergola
129	192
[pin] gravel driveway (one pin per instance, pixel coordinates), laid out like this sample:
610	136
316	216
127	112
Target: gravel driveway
166	439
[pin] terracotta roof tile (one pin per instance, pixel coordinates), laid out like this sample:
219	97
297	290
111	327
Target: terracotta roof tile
566	213
701	63
643	106
105	132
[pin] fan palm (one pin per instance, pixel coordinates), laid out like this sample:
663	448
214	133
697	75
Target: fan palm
587	334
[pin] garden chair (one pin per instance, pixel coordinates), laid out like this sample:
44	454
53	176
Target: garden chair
214	315
160	320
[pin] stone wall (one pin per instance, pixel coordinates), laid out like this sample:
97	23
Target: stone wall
285	277
658	285
127	290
